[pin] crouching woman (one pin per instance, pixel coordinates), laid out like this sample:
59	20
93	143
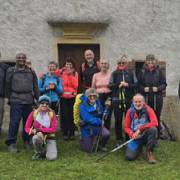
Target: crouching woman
91	122
42	125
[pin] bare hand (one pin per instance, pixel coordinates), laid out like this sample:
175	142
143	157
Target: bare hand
146	89
40	134
155	89
136	135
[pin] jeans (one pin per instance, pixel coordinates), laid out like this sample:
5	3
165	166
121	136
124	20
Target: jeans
18	111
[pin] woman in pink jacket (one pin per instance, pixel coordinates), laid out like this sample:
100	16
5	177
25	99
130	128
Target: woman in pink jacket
70	86
42	125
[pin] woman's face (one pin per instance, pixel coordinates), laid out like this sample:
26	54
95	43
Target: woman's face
151	63
92	99
69	65
52	68
104	66
44	106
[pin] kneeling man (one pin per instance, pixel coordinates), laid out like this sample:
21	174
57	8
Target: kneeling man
141	125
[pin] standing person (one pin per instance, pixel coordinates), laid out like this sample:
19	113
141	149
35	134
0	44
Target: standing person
152	83
122	84
22	89
70	85
101	83
3	68
88	69
42	124
141	125
51	85
91	124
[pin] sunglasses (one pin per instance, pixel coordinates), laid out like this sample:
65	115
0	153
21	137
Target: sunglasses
44	103
121	63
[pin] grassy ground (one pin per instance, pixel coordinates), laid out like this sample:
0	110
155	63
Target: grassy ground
74	164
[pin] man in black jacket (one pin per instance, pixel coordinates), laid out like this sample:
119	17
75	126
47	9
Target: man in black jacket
152	83
22	89
88	69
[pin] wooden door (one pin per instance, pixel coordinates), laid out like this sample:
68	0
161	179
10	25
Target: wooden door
76	51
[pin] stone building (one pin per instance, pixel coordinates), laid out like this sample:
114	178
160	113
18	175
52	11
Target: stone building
51	30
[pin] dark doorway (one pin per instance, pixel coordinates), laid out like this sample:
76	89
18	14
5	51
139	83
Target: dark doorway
76	51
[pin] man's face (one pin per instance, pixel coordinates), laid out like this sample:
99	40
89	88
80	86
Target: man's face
92	99
138	102
89	56
21	60
52	68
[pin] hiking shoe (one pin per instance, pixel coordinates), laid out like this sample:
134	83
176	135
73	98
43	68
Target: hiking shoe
119	142
104	149
150	157
36	157
65	137
71	138
27	145
12	148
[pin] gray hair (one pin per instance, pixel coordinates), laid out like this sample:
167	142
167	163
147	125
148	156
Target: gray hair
91	91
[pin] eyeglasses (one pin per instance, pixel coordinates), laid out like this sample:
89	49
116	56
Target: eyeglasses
92	96
44	103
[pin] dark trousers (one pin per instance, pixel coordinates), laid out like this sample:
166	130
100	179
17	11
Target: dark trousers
149	138
155	101
118	115
86	143
66	116
18	111
55	107
103	97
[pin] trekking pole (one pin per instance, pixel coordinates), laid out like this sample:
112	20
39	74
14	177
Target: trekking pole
105	114
155	98
114	150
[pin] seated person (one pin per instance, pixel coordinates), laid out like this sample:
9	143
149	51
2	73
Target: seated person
42	125
141	125
91	123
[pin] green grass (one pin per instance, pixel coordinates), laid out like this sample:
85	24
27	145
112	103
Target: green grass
74	164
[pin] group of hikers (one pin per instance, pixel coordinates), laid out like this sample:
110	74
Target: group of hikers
41	101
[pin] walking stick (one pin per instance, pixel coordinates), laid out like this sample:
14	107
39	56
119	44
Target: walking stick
114	150
105	114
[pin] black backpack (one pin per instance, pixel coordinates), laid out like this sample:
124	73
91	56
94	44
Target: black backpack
166	133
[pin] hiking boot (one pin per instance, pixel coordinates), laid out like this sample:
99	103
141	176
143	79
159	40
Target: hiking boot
27	145
12	148
71	138
65	137
36	157
150	157
118	143
104	149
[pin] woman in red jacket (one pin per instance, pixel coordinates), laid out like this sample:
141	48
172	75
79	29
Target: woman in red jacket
70	85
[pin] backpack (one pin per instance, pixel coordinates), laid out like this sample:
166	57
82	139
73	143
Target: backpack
76	114
165	132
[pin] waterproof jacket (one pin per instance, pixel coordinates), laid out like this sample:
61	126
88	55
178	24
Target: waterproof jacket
139	120
86	74
90	116
43	84
21	85
3	68
69	84
122	75
31	123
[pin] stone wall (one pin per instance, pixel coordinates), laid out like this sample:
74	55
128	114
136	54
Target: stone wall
135	27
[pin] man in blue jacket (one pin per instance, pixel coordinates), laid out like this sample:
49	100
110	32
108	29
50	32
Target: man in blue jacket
91	112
